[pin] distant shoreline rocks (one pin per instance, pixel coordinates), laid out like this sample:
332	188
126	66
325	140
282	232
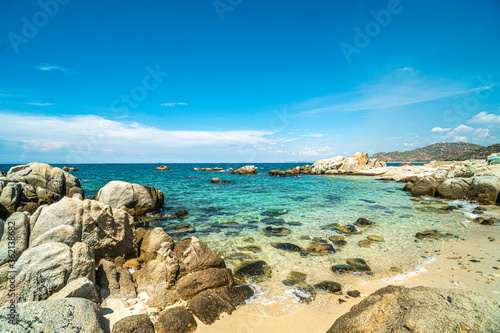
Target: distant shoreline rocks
162	168
69	169
246	170
211	169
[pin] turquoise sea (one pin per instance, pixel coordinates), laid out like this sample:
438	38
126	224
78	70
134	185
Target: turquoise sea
313	205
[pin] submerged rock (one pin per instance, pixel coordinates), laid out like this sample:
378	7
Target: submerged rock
275	212
254	269
278	232
375	238
343	268
294	278
338	240
329	286
359	264
317	248
305	293
251	248
365	243
429	234
348	229
490	221
362	222
287	247
277	173
420	310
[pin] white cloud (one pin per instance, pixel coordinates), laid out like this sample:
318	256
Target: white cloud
481	134
485	118
40	104
460	139
94	134
169	105
457	134
401	88
48	67
316	151
439	129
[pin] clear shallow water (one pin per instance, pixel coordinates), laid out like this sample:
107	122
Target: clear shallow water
312	202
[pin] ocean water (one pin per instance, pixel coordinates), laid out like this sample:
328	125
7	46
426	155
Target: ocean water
312	204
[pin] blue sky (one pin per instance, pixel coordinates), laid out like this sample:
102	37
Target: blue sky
244	81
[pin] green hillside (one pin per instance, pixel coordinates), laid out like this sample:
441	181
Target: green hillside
453	151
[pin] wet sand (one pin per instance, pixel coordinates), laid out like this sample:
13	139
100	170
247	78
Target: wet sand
470	263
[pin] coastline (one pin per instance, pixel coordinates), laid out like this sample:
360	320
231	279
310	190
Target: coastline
441	271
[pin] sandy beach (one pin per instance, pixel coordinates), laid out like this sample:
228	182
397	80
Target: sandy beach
470	263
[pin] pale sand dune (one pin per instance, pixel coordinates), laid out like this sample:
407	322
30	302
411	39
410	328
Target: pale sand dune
444	271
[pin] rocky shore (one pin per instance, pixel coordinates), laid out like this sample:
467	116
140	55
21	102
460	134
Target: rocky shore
70	263
73	258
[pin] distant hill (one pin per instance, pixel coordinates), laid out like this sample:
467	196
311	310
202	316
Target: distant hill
453	151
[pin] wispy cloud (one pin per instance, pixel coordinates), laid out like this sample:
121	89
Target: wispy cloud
49	67
49	133
401	88
316	151
314	135
169	105
40	104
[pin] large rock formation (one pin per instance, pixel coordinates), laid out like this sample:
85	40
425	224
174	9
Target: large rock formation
134	198
341	165
44	270
420	310
425	186
25	187
484	189
63	315
108	232
16	232
472	180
